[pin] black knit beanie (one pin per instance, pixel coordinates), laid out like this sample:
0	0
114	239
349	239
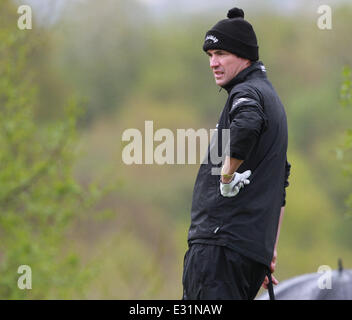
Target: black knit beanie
235	35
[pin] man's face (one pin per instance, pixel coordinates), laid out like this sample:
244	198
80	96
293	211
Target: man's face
225	65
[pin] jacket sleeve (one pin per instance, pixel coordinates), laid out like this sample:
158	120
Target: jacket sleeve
247	121
286	184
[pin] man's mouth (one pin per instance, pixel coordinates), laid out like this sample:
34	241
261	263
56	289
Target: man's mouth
218	74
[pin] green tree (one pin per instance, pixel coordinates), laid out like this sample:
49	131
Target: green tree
345	151
39	197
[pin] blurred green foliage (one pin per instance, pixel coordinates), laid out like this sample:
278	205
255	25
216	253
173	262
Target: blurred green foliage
345	151
39	196
127	66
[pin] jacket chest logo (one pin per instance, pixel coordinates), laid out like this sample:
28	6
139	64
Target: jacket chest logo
238	101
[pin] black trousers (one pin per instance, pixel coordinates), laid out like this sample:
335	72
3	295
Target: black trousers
214	272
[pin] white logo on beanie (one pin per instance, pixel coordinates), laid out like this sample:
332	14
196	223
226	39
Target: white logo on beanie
212	38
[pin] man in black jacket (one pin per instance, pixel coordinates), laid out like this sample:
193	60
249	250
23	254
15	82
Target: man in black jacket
235	220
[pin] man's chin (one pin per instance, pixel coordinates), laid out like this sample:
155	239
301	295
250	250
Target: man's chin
220	82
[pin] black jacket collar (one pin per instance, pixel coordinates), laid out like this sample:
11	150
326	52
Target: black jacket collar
256	67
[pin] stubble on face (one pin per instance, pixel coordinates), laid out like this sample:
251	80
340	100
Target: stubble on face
225	65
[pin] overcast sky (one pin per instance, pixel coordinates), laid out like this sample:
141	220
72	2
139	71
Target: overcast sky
51	10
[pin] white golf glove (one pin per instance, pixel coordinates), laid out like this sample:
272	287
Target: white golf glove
238	181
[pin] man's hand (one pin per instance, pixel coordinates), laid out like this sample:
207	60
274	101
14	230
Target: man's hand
272	269
238	181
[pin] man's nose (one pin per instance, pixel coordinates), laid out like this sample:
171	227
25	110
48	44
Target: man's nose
214	62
